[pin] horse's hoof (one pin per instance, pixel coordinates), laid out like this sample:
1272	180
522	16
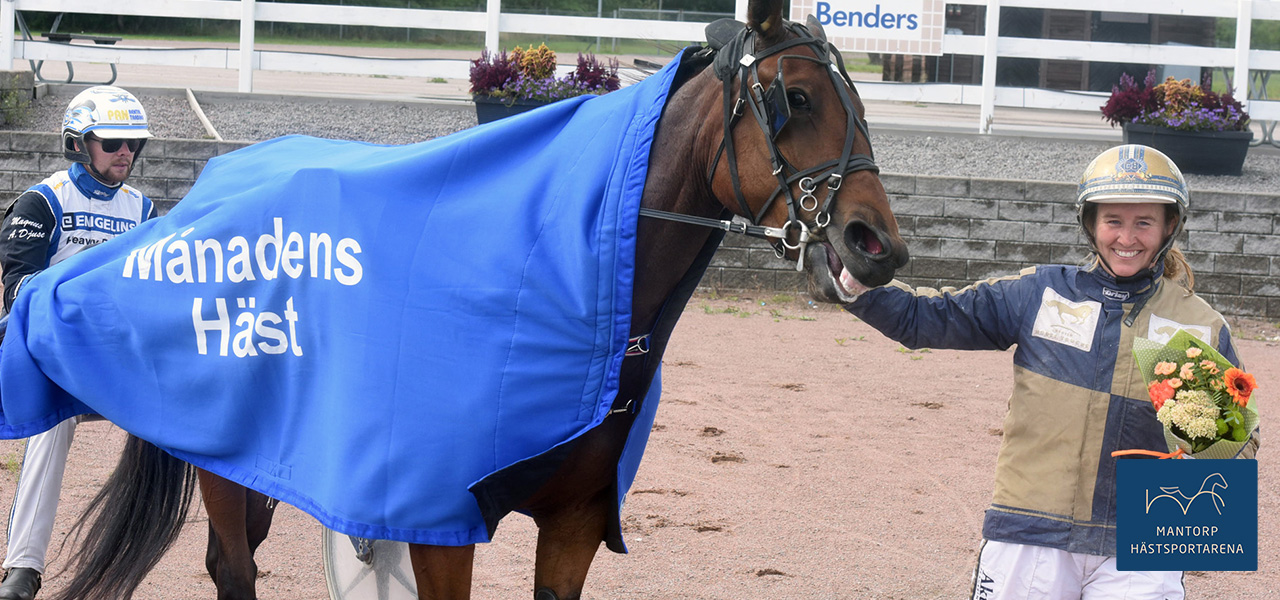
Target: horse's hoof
545	594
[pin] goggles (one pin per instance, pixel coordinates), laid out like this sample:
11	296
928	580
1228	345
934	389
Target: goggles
111	146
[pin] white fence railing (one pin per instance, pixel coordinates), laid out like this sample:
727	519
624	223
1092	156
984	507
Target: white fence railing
1241	59
1244	62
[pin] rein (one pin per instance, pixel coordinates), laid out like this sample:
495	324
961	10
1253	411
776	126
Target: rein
771	111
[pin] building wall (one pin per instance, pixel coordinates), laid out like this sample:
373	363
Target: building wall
959	230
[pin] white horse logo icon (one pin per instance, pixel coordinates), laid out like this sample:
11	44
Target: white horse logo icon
1070	315
1209	488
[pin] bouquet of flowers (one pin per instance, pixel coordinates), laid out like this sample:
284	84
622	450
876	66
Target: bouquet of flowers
1204	402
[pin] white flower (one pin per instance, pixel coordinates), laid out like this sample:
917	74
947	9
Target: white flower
1192	411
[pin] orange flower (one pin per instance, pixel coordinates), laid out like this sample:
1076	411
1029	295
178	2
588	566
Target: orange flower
1159	392
1165	368
1193	352
1174	382
1240	385
1209	367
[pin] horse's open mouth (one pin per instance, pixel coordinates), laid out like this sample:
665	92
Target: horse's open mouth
844	281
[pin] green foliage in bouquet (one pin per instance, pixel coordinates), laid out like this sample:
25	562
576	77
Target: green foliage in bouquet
1204	402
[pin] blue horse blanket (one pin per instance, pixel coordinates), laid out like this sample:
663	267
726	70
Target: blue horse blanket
362	331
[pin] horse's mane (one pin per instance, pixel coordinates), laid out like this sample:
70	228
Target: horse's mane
695	61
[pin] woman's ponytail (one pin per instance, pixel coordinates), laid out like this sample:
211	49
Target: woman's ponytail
1177	270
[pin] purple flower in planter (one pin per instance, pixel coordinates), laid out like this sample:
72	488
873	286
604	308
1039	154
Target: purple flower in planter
1174	104
502	76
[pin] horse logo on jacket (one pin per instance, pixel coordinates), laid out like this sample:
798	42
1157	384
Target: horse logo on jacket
1065	321
1071	314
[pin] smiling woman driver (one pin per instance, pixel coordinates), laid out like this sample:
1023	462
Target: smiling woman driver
1050	530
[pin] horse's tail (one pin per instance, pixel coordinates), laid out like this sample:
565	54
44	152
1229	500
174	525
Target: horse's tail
130	524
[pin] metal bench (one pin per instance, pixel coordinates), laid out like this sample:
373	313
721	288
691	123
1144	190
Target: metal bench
57	37
67	38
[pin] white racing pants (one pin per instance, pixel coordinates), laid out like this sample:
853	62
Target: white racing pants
1022	572
36	501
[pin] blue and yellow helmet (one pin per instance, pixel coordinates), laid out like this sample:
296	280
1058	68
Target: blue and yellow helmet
105	111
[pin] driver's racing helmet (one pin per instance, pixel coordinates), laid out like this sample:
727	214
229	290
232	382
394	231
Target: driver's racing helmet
109	113
1132	173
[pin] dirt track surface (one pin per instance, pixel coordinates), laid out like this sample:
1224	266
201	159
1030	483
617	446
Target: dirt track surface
797	453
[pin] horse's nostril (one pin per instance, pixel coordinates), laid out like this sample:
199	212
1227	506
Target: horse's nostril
872	244
863	238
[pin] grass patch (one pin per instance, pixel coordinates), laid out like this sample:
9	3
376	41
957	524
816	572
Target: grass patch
726	310
11	462
860	63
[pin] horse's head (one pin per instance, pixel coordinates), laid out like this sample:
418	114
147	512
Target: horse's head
795	154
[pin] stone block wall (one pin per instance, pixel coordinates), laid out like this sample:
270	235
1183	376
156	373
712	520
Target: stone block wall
164	172
959	230
964	230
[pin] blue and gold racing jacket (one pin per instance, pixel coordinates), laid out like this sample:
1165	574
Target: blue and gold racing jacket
1078	394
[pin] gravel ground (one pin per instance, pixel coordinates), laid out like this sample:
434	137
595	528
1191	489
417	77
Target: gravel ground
959	155
794	456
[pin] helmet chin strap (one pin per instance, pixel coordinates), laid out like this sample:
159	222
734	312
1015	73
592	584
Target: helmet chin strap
103	179
1146	272
93	169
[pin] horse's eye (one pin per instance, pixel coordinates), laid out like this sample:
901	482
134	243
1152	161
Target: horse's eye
797	99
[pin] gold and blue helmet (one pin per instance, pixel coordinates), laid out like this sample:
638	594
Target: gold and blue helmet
1133	173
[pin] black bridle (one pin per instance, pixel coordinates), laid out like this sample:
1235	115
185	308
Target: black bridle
771	111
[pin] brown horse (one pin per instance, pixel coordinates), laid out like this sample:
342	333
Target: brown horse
764	124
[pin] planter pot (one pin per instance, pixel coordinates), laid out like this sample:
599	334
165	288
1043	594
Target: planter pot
1203	152
490	109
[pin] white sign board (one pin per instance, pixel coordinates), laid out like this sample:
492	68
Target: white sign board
882	26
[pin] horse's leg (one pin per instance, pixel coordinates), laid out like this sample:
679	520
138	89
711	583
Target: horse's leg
568	539
260	509
442	572
229	558
573	510
211	554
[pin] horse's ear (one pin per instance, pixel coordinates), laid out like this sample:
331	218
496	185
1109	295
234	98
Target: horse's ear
815	28
765	18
